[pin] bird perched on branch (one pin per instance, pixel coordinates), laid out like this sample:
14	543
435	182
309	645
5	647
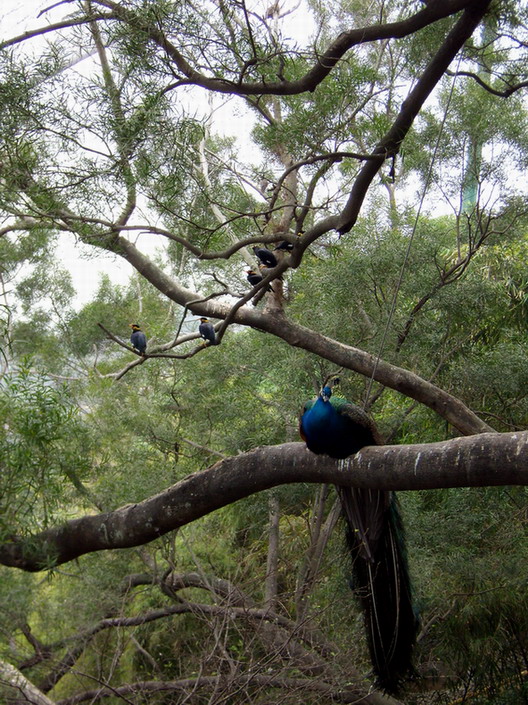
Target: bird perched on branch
284	245
255	278
265	256
374	534
138	339
207	331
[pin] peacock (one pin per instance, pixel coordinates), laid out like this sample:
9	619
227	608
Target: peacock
138	339
375	538
284	245
253	277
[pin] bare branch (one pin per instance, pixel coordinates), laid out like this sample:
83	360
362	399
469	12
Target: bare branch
337	694
506	93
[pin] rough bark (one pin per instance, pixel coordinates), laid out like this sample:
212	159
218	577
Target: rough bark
487	459
23	690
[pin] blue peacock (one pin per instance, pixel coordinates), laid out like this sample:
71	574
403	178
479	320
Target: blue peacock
333	426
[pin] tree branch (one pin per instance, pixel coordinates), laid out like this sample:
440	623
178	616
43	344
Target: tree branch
434	11
491	459
404	381
26	691
390	144
350	694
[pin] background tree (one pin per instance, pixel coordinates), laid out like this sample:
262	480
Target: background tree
423	296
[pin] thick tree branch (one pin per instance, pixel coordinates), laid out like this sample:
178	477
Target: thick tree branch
414	102
434	11
488	459
404	381
25	691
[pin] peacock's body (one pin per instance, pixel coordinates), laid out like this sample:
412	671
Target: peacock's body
374	532
265	257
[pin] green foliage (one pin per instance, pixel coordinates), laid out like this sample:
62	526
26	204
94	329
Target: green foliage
481	614
42	443
436	294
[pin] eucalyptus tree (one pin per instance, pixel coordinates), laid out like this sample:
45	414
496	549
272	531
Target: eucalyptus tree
344	119
114	145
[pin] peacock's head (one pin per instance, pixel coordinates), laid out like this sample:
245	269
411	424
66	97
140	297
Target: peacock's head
326	391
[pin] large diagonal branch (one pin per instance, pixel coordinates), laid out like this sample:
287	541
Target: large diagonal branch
434	10
404	381
23	690
396	378
490	459
390	144
349	357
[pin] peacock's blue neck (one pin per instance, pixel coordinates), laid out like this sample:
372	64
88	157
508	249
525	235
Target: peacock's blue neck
325	429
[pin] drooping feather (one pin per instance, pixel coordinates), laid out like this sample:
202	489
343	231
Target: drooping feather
375	538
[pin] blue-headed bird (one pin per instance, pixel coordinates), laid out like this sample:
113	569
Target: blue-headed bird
333	426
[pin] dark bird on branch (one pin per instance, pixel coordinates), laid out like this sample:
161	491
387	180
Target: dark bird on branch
207	331
265	256
284	245
255	278
138	339
375	539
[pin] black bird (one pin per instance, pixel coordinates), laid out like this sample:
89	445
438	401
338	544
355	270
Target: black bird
138	339
253	277
284	245
375	539
265	256
207	331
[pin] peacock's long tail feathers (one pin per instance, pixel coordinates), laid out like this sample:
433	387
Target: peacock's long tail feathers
380	579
